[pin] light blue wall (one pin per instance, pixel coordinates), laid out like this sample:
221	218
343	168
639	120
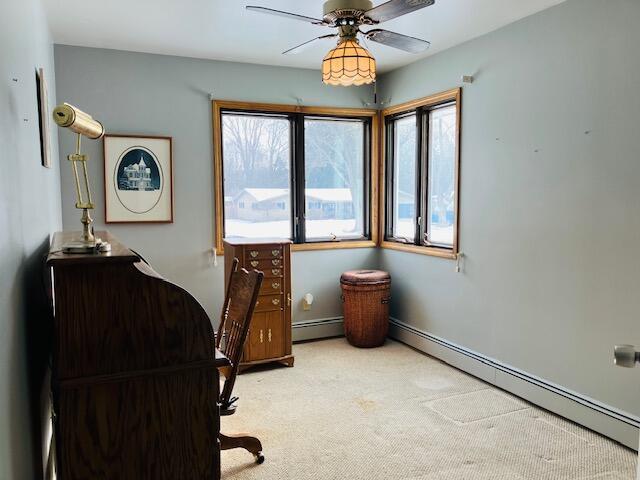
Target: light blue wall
137	93
29	212
550	198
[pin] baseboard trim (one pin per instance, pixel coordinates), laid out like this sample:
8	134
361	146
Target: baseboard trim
609	421
317	329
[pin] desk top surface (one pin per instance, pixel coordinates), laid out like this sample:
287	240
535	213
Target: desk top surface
118	253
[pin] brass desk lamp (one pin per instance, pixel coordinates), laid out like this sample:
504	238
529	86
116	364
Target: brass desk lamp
81	123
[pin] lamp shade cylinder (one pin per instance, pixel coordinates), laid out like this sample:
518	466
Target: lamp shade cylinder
77	121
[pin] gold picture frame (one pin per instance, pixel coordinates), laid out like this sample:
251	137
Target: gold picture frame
138	178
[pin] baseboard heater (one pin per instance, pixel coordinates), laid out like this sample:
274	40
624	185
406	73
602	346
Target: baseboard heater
607	420
317	329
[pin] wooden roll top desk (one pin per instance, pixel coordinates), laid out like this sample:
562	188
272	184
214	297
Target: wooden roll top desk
269	338
134	371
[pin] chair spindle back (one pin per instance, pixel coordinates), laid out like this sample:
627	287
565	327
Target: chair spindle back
242	295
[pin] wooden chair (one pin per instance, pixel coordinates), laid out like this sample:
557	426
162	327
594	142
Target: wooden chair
220	334
240	300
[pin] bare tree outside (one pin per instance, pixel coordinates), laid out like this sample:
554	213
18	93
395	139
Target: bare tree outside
256	175
334	160
256	152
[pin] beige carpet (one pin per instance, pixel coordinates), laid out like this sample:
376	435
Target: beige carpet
393	413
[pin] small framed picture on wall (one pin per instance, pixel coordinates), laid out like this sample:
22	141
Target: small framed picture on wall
138	179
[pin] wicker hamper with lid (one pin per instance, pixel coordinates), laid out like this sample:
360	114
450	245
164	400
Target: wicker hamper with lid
365	296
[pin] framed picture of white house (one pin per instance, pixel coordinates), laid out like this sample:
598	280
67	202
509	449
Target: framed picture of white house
138	179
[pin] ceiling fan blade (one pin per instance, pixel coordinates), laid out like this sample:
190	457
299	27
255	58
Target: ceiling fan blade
397	40
303	46
280	13
396	8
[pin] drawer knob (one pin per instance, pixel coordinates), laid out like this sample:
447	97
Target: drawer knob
275	253
275	261
275	285
275	271
254	263
276	301
253	253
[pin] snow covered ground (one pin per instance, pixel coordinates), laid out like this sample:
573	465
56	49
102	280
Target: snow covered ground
322	229
282	229
439	235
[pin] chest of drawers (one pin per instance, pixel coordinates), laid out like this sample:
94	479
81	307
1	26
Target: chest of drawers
269	337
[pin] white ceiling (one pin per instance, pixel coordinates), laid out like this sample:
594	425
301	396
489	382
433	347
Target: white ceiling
224	30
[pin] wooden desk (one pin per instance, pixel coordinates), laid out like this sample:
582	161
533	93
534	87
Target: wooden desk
134	373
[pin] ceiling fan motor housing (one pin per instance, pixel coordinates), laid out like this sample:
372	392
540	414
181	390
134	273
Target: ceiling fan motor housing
336	11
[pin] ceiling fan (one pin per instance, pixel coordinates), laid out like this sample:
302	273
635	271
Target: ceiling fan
349	63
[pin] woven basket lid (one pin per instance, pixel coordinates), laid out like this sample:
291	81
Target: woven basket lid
365	277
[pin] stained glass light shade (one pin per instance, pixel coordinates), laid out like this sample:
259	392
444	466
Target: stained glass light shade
348	64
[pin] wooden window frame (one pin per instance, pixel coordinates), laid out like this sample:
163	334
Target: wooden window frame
219	106
421	104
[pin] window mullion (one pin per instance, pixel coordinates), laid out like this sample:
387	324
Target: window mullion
424	164
419	220
389	178
366	181
298	179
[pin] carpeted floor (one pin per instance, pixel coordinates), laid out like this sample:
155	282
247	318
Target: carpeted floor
393	413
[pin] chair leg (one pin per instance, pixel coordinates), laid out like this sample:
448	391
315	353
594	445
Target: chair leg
251	444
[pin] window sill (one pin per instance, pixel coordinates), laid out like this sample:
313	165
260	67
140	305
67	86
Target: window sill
302	247
431	251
